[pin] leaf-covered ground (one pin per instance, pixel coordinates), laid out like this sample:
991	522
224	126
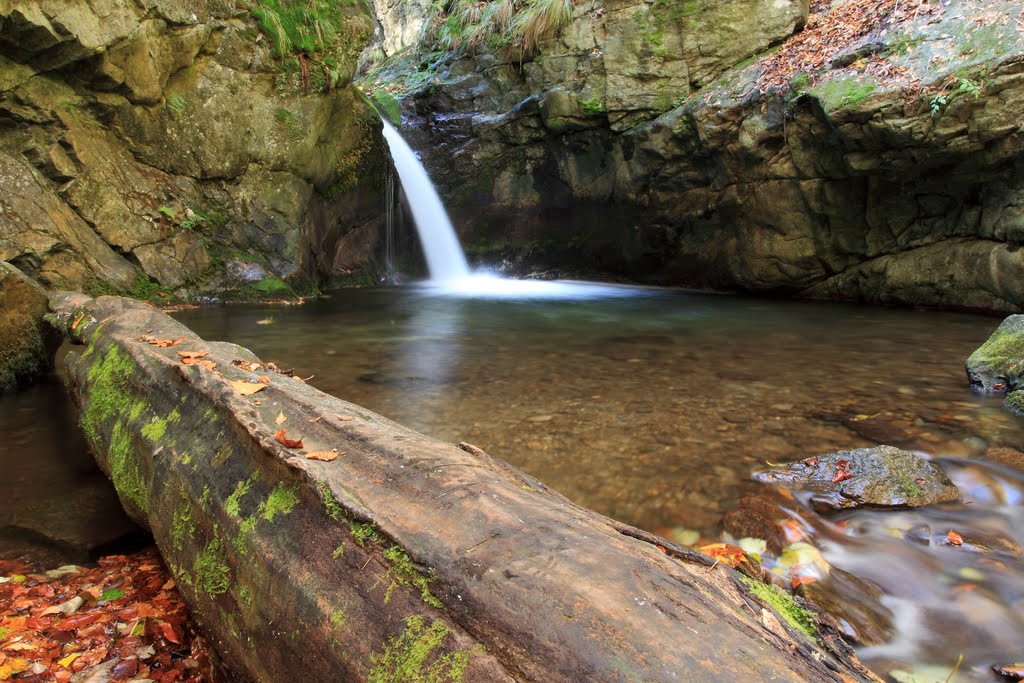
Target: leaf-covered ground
830	32
122	620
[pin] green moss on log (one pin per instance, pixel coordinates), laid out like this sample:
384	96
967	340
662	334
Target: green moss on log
413	656
231	505
211	573
124	468
783	603
155	430
109	395
281	501
404	574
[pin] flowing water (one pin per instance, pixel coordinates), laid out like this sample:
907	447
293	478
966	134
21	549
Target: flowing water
441	248
654	406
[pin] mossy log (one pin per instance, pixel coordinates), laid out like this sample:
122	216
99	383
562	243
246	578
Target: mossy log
403	559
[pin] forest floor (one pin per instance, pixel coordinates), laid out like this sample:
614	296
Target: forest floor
122	620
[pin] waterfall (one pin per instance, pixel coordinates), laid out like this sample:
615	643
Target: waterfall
389	224
445	259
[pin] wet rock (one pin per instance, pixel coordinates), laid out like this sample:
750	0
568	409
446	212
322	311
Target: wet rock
27	344
883	476
757	517
855	605
881	428
1014	672
1010	457
997	365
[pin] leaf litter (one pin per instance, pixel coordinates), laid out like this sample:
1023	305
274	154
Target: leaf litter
123	619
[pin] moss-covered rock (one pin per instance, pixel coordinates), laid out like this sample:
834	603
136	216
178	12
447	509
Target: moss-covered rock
997	366
27	342
883	476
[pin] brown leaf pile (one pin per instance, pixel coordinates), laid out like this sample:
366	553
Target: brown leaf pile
828	33
122	620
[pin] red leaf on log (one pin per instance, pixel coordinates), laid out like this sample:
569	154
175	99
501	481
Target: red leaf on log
288	443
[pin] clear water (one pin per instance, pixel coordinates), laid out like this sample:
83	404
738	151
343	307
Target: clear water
654	406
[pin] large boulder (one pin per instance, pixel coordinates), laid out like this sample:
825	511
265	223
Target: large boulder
310	535
27	343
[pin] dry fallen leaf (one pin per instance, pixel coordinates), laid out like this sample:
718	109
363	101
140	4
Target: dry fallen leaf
345	418
164	343
263	379
280	419
725	553
288	443
326	456
192	355
954	538
246	388
314	420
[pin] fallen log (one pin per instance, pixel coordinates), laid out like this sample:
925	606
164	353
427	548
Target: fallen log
394	557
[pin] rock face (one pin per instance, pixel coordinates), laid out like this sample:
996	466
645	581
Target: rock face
164	140
847	185
27	344
391	556
882	476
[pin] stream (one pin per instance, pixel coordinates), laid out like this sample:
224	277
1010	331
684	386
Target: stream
654	407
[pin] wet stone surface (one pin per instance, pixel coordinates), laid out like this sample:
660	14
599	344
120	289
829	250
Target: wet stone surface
883	476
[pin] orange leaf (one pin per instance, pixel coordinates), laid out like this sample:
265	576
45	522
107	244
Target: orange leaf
326	456
191	355
801	579
170	632
78	321
263	379
288	443
793	531
246	388
954	538
208	364
731	555
77	621
164	343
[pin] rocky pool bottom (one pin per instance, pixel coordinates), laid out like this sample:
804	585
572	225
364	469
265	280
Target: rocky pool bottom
654	407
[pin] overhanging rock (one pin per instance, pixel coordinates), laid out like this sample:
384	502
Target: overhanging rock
404	558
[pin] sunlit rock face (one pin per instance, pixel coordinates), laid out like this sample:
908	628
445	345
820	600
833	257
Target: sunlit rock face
160	141
848	185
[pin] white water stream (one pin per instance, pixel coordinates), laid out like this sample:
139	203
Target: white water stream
441	247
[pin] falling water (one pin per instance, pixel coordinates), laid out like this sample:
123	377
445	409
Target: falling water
389	224
445	259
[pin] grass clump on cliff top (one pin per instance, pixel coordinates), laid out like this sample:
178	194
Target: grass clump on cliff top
517	26
329	33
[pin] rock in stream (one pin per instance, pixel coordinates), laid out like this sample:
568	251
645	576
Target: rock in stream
883	476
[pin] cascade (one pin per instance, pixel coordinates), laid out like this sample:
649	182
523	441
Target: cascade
449	271
441	247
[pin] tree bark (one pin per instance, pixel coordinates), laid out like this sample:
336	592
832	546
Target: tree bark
403	559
